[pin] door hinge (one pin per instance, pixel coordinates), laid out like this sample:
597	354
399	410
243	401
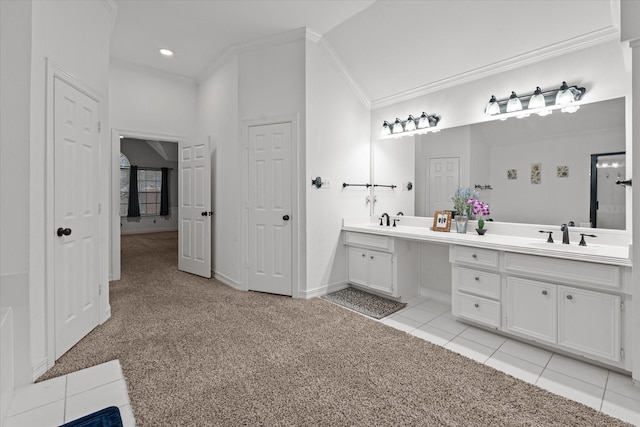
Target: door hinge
621	306
99	127
99	208
622	353
100	289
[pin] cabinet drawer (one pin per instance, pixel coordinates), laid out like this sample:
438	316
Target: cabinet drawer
366	240
564	270
475	256
478	282
478	309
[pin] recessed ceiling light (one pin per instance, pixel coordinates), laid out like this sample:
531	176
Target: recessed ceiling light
166	52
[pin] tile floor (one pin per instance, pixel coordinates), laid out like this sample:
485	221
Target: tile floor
604	390
63	399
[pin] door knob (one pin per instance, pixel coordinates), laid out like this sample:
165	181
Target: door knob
285	218
63	232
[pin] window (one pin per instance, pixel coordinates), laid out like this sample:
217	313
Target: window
149	187
125	166
149	184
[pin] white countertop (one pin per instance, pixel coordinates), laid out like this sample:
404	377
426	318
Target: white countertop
593	252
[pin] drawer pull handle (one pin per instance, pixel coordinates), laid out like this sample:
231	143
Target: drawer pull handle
363	255
544	292
569	297
477	279
474	256
476	305
371	256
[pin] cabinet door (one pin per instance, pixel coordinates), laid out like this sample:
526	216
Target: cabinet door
381	271
589	322
531	309
358	266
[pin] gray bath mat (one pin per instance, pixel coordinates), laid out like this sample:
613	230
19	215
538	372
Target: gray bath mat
365	303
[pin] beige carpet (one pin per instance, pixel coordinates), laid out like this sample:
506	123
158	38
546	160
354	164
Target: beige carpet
198	353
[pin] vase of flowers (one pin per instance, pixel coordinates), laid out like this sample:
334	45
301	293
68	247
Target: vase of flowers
463	208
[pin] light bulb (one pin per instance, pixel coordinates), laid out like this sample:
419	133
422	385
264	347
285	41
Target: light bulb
410	124
537	100
492	107
397	126
386	129
423	121
514	103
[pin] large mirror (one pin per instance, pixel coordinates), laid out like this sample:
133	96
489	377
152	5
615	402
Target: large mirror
530	170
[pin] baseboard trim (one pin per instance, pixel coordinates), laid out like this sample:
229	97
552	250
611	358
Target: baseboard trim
442	297
227	281
323	290
39	369
155	230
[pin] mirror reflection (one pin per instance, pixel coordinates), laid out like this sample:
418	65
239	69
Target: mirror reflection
532	170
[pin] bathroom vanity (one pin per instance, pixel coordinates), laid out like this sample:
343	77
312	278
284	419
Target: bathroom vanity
567	297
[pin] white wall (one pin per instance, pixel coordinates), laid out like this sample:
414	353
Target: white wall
337	149
75	36
140	153
218	118
152	102
15	81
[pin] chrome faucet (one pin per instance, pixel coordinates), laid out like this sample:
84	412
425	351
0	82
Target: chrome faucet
382	216
565	233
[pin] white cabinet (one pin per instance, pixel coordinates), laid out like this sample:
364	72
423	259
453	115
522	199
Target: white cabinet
531	309
372	269
589	322
476	285
574	306
383	264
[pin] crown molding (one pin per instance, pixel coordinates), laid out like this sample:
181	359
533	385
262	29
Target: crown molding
603	35
233	51
343	70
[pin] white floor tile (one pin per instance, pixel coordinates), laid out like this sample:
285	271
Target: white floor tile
578	369
623	385
622	407
483	337
39	394
126	413
448	323
417	314
400	322
435	307
532	354
433	335
571	388
416	300
518	368
93	377
112	394
49	415
472	350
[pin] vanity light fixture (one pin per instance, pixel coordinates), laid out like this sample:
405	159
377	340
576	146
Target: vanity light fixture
539	102
412	126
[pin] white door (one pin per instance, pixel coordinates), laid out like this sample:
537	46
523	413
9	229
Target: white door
269	251
194	208
443	179
76	220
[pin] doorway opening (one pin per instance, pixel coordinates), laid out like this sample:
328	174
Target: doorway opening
607	208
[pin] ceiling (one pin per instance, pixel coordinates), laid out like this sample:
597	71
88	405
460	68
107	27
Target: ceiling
389	47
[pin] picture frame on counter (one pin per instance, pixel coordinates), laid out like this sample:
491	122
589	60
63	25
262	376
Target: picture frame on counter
442	221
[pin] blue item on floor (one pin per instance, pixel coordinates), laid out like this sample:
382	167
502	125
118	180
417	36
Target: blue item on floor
107	417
